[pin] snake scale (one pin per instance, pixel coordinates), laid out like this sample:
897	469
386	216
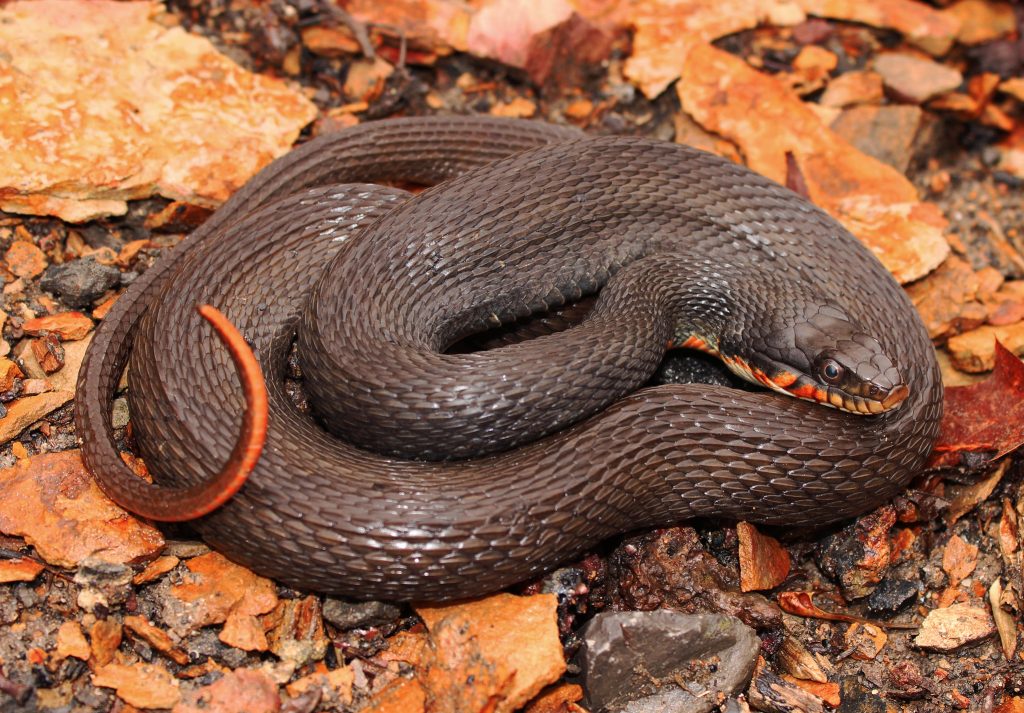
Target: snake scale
447	475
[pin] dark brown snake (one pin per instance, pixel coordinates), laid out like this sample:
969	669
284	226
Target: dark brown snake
685	248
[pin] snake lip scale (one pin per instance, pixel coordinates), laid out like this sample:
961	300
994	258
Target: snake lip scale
681	247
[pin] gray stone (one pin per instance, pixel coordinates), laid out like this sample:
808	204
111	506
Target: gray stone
359	615
79	282
640	662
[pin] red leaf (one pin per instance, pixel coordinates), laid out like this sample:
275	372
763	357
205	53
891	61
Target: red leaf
983	421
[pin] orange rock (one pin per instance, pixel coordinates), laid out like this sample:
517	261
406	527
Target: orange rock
509	645
48	353
557	699
982	20
1011	152
579	109
101	311
71	642
406	646
520	108
1014	86
959	559
664	33
329	41
1010	704
764	563
155	569
142	685
9	371
877	203
53	502
105	637
156	637
199	128
865	640
69	326
975	351
366	77
25	259
503	29
20	569
216	586
858	87
244	631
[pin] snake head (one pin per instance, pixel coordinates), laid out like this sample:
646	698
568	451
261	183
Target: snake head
824	356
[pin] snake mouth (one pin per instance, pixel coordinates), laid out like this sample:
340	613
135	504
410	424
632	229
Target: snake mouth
804	387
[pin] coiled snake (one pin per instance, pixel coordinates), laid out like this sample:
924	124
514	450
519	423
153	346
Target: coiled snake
686	249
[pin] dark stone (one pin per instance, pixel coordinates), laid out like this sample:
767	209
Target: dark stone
857	556
636	662
892	594
79	282
858	698
359	615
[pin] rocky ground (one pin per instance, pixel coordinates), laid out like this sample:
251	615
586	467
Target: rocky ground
124	124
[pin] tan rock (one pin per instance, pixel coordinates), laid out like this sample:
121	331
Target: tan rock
241	690
915	78
954	626
71	641
888	133
20	569
974	351
23	412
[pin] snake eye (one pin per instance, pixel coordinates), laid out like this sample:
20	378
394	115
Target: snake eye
831	371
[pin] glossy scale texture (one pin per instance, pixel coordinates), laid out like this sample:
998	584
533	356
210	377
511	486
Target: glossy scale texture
555	222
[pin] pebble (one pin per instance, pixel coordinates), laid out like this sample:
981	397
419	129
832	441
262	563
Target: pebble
892	594
687	661
359	615
79	282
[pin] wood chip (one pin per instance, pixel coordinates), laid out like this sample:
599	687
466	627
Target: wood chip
1006	625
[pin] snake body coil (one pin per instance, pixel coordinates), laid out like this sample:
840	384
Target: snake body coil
561	217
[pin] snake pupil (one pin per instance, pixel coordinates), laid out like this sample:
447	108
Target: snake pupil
831	370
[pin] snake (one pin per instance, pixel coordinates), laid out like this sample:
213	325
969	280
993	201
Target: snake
396	467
